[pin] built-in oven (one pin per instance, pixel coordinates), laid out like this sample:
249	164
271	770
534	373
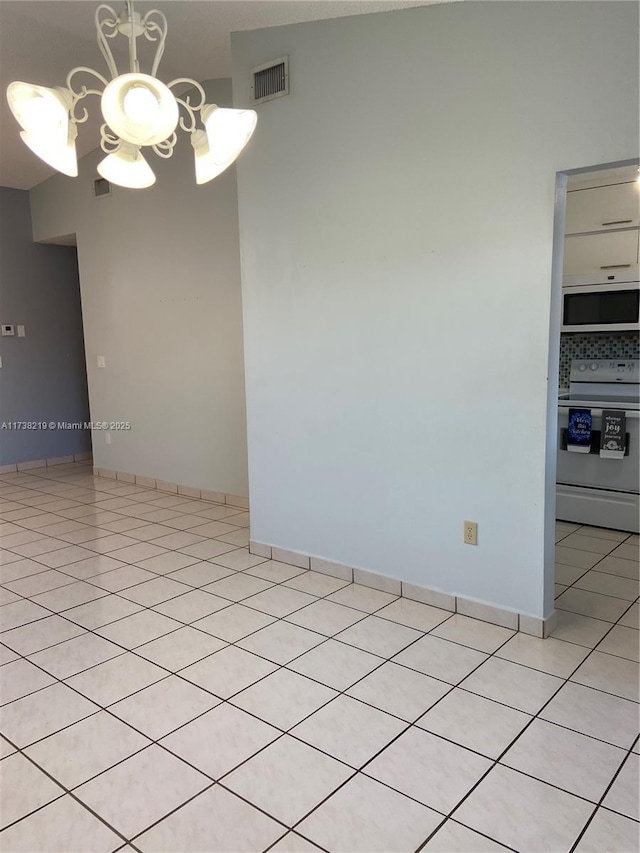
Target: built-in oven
610	307
592	487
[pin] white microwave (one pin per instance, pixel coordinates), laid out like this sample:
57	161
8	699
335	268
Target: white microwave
601	307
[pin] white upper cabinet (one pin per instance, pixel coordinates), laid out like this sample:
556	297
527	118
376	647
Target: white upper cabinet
603	208
601	257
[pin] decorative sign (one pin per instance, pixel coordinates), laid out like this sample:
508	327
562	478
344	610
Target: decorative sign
579	431
613	435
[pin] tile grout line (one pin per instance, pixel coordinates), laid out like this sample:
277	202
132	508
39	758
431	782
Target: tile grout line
363	617
516	738
599	804
383	661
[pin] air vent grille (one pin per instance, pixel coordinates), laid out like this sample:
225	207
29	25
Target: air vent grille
271	80
101	187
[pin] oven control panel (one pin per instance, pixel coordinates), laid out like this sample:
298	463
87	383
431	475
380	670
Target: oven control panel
605	370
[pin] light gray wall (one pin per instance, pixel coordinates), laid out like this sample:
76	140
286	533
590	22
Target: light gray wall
396	214
43	376
160	279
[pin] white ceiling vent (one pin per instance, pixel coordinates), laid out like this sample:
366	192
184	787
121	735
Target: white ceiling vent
270	80
101	187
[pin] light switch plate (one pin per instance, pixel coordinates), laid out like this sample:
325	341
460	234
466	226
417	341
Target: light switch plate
100	361
21	332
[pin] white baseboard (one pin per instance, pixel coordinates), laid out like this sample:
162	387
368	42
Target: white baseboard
174	488
435	598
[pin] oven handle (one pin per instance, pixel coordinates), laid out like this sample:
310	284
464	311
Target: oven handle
597	413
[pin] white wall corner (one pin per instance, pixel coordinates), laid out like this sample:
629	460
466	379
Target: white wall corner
531	625
550	624
259	549
538	627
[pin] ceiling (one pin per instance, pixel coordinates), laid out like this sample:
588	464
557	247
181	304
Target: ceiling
41	40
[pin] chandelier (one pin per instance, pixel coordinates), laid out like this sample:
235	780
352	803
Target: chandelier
139	111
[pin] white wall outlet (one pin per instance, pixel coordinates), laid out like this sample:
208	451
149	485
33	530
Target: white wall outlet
21	332
107	438
470	533
100	361
0	361
7	330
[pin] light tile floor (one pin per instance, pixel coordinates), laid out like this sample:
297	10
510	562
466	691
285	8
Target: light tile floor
165	690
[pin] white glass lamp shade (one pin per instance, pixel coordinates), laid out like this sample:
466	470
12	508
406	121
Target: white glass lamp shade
59	153
140	109
206	167
126	167
40	111
228	131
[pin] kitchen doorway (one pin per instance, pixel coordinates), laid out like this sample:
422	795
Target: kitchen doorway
593	509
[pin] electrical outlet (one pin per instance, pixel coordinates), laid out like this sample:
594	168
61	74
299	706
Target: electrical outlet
107	438
470	533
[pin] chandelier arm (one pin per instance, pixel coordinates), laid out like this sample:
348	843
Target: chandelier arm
165	148
76	98
154	31
190	126
109	142
190	108
102	36
195	85
81	93
86	70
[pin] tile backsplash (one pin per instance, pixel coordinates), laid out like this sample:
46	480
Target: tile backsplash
596	345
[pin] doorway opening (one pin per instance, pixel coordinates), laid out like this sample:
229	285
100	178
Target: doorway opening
43	376
593	461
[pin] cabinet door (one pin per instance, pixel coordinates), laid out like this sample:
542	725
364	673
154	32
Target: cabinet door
603	208
601	255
